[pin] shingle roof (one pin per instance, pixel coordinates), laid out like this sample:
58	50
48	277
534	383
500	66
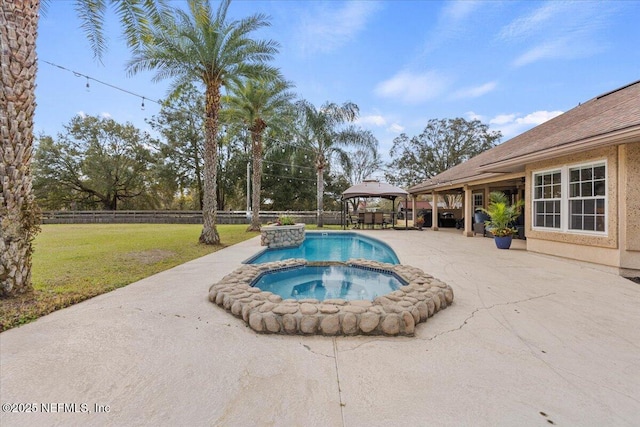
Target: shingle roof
607	116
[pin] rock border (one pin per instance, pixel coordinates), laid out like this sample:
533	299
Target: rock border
396	313
282	236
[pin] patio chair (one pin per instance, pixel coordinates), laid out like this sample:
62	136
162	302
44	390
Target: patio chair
368	219
378	219
386	220
478	226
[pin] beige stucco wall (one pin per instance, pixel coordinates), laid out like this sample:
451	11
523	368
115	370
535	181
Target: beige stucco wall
631	157
629	160
594	254
591	248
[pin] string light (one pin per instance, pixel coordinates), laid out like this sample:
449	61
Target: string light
87	85
297	146
268	177
270	162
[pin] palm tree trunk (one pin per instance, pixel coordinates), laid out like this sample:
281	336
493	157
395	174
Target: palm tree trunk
209	233
198	172
19	216
319	197
256	181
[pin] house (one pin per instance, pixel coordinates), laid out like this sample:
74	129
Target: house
579	175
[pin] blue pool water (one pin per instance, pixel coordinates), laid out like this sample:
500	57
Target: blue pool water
331	247
327	282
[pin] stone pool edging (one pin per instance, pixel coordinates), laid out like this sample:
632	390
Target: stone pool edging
396	313
282	236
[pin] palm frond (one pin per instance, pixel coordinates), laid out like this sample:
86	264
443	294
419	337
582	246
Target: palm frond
91	14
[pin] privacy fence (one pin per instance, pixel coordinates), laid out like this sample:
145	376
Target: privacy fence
178	217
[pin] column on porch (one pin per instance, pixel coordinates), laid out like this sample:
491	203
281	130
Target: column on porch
414	214
434	211
468	212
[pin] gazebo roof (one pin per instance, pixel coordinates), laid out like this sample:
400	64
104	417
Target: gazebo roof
374	188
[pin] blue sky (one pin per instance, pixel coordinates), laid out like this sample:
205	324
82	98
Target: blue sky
510	64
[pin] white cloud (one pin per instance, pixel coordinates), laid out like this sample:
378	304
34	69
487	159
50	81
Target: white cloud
452	21
473	116
514	124
502	119
528	25
104	115
558	30
374	120
539	117
395	128
413	88
456	12
562	48
476	91
327	29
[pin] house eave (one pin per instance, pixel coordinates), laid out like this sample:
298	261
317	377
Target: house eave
620	136
456	184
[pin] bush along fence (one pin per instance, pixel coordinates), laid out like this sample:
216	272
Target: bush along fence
178	217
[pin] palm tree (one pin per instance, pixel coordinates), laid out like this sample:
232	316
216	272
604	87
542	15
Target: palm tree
321	131
18	212
202	46
19	215
258	105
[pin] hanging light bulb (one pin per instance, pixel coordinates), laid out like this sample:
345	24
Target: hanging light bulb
87	85
142	106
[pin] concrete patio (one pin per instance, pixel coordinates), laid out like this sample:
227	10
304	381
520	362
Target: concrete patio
529	340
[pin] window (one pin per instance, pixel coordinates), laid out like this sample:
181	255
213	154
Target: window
478	200
587	193
547	197
571	198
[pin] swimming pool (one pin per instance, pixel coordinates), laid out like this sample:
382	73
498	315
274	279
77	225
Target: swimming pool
336	246
329	282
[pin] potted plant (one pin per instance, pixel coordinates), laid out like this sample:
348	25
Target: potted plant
501	218
285	220
419	222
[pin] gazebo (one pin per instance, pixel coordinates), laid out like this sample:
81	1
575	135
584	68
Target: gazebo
373	188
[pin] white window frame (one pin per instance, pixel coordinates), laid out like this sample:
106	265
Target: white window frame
605	197
481	197
564	198
534	199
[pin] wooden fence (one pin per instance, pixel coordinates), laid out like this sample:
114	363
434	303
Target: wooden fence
177	217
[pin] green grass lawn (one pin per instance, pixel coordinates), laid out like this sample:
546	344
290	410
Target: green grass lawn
72	263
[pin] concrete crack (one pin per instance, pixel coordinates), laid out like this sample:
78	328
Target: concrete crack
342	404
375	340
316	353
473	313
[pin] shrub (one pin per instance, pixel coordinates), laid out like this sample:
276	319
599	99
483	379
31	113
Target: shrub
285	220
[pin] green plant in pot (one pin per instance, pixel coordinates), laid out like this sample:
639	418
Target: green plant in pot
502	215
285	220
